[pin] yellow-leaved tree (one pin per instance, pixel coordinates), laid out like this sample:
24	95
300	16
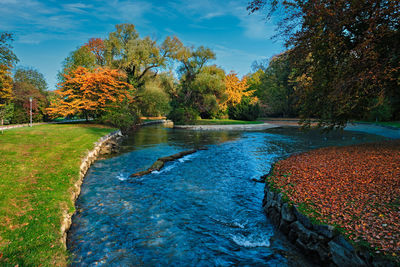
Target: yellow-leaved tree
5	90
236	89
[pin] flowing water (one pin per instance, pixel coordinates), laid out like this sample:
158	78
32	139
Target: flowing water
201	210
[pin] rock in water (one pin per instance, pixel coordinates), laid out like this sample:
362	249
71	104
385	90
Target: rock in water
161	161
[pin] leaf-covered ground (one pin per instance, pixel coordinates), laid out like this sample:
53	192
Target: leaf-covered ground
356	188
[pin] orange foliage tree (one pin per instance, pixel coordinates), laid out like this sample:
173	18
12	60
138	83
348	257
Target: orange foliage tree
90	93
236	89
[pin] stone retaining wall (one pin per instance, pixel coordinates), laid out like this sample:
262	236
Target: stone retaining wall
105	145
321	243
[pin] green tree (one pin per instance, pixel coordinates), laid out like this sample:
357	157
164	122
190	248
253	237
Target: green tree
29	82
202	91
81	57
276	89
153	100
202	87
349	51
7	56
7	61
192	62
125	50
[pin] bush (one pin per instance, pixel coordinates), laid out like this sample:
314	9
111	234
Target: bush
154	101
183	115
124	117
244	110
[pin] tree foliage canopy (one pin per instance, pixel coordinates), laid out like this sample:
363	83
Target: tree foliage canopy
29	83
348	51
90	93
125	50
5	85
236	89
7	56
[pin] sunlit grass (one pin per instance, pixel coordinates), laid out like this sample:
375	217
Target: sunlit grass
38	166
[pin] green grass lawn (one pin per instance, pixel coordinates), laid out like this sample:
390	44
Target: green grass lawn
224	122
38	166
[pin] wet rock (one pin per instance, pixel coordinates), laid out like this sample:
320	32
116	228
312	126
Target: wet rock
161	161
292	236
302	218
270	199
323	252
325	230
344	243
274	215
287	213
258	180
305	235
284	227
157	165
341	256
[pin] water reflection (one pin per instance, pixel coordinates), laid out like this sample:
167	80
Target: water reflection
154	135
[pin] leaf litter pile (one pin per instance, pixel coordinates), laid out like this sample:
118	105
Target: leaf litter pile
356	188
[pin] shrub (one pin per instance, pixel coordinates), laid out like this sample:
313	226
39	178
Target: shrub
123	116
245	110
183	115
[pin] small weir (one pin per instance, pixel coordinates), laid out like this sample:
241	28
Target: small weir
202	209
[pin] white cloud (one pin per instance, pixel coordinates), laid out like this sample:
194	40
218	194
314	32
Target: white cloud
254	25
77	8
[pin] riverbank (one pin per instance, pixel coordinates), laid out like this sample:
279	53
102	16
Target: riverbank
40	168
229	127
354	188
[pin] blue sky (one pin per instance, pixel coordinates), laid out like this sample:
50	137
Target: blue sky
47	31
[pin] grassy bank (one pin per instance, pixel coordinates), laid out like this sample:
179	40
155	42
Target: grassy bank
355	188
224	122
38	165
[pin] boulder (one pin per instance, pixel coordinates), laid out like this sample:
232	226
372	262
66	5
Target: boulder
305	235
341	256
302	218
287	213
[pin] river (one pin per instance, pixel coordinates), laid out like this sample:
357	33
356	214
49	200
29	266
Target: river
201	210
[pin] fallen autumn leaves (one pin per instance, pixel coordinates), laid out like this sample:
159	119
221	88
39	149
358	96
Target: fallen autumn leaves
356	188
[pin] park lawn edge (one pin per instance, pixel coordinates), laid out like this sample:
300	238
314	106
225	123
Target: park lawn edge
309	211
42	164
